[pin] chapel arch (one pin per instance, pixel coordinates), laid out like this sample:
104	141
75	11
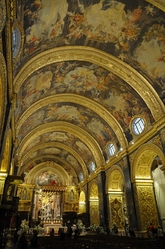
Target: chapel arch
143	184
54	168
82	202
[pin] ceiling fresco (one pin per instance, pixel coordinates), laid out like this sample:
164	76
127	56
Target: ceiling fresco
45	161
88	80
71	104
128	30
75	114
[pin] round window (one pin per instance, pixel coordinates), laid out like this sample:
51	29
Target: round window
138	125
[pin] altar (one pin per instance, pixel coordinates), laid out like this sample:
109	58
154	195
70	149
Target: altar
56	226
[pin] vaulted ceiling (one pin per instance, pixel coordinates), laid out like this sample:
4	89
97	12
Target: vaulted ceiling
83	70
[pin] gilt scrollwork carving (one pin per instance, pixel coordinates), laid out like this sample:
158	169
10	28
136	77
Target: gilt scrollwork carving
117	211
146	206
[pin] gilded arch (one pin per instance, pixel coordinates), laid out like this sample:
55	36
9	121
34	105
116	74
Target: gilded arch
114	179
63	126
107	61
141	166
56	145
64	177
94	106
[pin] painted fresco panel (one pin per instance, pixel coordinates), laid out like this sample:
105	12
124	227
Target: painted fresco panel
113	26
71	172
62	137
48	178
75	114
89	80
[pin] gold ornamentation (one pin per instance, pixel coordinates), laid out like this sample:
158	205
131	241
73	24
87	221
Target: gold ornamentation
146	206
56	145
115	179
53	188
107	61
94	213
6	153
116	210
93	190
64	126
141	165
158	3
94	106
3	88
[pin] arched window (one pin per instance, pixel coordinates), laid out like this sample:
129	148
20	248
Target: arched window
16	41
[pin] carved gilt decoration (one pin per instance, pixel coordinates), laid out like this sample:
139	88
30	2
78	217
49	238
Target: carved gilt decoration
3	88
146	206
116	211
93	190
94	213
6	154
141	165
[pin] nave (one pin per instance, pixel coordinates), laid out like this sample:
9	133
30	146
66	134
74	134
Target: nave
102	242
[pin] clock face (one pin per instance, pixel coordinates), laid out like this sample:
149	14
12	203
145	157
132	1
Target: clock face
16	41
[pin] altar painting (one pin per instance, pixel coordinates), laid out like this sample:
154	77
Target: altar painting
48	178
